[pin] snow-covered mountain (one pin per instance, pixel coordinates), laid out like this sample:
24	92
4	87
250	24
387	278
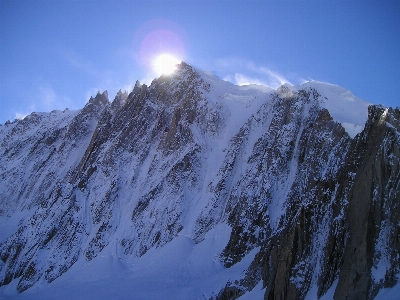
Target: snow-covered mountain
194	188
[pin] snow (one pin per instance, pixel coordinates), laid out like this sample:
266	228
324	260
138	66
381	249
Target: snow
237	104
382	260
343	106
257	293
8	225
352	129
179	270
390	293
240	102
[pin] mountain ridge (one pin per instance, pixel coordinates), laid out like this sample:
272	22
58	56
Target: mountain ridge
190	156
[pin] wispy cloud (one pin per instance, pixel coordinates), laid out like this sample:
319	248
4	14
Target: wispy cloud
247	72
303	80
44	99
48	99
47	96
20	116
241	79
81	63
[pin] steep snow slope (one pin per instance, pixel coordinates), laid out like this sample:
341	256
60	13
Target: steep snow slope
196	188
343	106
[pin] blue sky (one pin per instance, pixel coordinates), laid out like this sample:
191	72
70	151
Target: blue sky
56	54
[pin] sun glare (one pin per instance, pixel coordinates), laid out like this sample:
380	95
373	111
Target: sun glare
165	64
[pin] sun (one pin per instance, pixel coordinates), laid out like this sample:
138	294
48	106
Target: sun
165	64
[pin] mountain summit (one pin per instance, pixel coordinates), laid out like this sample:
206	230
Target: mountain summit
194	188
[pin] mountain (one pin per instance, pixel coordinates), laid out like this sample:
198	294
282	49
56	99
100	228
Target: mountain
194	188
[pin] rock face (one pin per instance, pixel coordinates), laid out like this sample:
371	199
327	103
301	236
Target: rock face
371	254
319	207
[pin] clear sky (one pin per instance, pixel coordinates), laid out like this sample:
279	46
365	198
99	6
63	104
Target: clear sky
57	53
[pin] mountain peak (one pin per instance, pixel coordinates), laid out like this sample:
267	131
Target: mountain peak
229	187
101	98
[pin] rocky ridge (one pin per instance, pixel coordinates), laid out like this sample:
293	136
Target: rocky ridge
318	207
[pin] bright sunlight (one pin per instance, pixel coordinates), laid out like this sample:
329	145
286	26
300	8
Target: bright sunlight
165	64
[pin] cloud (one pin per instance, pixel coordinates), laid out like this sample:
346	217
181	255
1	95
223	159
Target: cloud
20	116
247	72
47	95
79	62
44	99
303	80
241	79
47	99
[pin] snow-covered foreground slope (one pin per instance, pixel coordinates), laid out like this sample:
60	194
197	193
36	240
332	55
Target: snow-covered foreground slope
194	188
179	270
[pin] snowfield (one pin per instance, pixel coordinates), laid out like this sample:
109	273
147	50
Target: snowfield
179	270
